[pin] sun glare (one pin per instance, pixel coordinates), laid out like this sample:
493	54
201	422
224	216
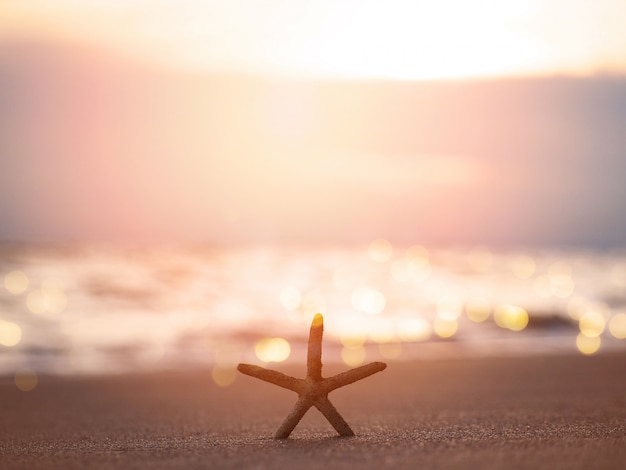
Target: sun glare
421	40
398	39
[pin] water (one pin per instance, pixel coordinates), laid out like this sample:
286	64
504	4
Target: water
87	309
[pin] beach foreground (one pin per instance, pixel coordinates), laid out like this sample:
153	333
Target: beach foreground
530	412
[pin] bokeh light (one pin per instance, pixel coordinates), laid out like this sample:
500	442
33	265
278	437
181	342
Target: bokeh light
381	332
26	380
523	267
227	356
577	306
417	253
511	317
415	266
414	329
345	277
617	325
419	268
223	376
445	328
50	298
480	259
290	298
272	349
407	270
586	344
478	310
313	302
16	282
352	339
10	333
449	307
380	250
390	350
401	271
36	302
368	300
353	356
542	286
592	324
56	300
560	278
618	275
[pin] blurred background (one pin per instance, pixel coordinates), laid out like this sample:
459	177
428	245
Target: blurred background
185	183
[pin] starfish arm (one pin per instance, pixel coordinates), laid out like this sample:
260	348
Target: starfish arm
352	375
273	377
314	353
291	421
332	415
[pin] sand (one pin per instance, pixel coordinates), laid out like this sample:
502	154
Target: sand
531	412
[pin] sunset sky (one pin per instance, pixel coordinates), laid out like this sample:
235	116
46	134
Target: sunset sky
403	39
444	122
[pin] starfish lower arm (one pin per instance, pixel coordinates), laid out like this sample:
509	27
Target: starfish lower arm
293	418
332	415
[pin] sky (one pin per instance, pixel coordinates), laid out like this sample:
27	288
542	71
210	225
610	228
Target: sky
400	39
452	122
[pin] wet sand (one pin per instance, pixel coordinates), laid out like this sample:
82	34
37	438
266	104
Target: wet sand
532	412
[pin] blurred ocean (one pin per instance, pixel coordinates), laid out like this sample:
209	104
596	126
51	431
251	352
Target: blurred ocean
87	309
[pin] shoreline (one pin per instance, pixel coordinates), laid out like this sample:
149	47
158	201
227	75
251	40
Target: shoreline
566	411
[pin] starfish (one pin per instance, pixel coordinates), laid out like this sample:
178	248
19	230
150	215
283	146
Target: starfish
314	389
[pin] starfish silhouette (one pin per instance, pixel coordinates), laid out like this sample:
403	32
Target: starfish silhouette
314	389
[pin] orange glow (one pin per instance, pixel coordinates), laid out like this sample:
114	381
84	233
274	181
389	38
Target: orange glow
223	376
26	380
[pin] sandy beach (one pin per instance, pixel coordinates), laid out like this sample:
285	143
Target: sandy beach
532	412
